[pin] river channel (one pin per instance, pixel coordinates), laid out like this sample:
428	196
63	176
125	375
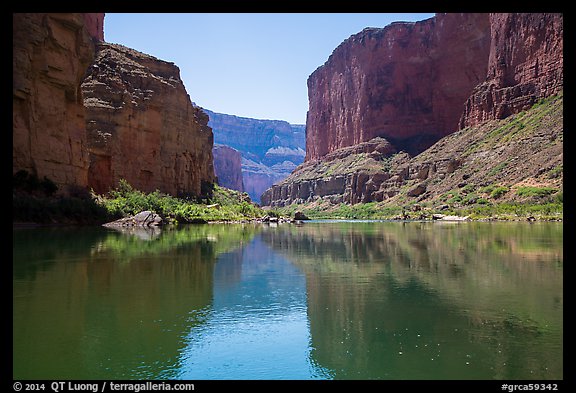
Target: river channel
322	300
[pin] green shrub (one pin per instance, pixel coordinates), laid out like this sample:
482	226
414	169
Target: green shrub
537	192
559	197
498	191
227	205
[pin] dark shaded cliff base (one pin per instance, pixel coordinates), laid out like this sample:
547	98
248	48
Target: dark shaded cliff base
35	203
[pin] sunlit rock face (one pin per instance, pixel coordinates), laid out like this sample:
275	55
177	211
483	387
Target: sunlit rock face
270	149
406	82
386	107
526	64
50	55
142	126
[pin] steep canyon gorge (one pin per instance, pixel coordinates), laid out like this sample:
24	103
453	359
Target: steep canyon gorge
270	150
407	112
88	113
400	113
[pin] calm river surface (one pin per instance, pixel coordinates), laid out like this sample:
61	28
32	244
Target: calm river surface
324	300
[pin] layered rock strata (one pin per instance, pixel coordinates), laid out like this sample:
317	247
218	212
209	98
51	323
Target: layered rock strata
50	55
142	126
524	68
525	149
406	82
270	149
348	175
525	64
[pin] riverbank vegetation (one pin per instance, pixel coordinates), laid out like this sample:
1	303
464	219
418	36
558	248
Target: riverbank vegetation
222	204
544	204
35	201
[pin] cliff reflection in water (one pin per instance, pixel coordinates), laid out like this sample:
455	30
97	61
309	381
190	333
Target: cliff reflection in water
98	304
322	300
431	300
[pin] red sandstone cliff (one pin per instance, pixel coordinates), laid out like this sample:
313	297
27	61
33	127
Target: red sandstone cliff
525	65
142	126
411	84
50	55
94	24
228	167
406	82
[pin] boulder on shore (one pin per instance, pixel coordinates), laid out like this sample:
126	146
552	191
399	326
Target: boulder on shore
300	216
145	218
444	217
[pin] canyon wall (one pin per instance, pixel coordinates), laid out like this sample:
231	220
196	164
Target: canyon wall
406	82
228	167
50	55
384	91
525	64
142	126
270	149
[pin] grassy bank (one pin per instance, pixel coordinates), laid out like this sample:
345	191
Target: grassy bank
548	210
222	205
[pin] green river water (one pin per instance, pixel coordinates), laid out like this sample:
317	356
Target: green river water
323	300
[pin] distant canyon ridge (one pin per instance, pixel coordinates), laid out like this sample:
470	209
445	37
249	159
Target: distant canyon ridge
87	113
269	151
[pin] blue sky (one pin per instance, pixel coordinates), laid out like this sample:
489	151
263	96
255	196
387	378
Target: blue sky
251	65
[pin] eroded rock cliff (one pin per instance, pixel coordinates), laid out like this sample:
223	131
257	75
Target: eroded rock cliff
228	167
50	55
142	126
525	64
512	122
525	149
270	149
406	82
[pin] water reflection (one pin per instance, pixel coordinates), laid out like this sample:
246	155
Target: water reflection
428	301
96	303
143	233
258	327
320	300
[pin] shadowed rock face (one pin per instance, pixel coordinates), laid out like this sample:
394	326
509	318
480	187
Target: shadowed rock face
406	82
228	167
142	126
526	64
51	53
